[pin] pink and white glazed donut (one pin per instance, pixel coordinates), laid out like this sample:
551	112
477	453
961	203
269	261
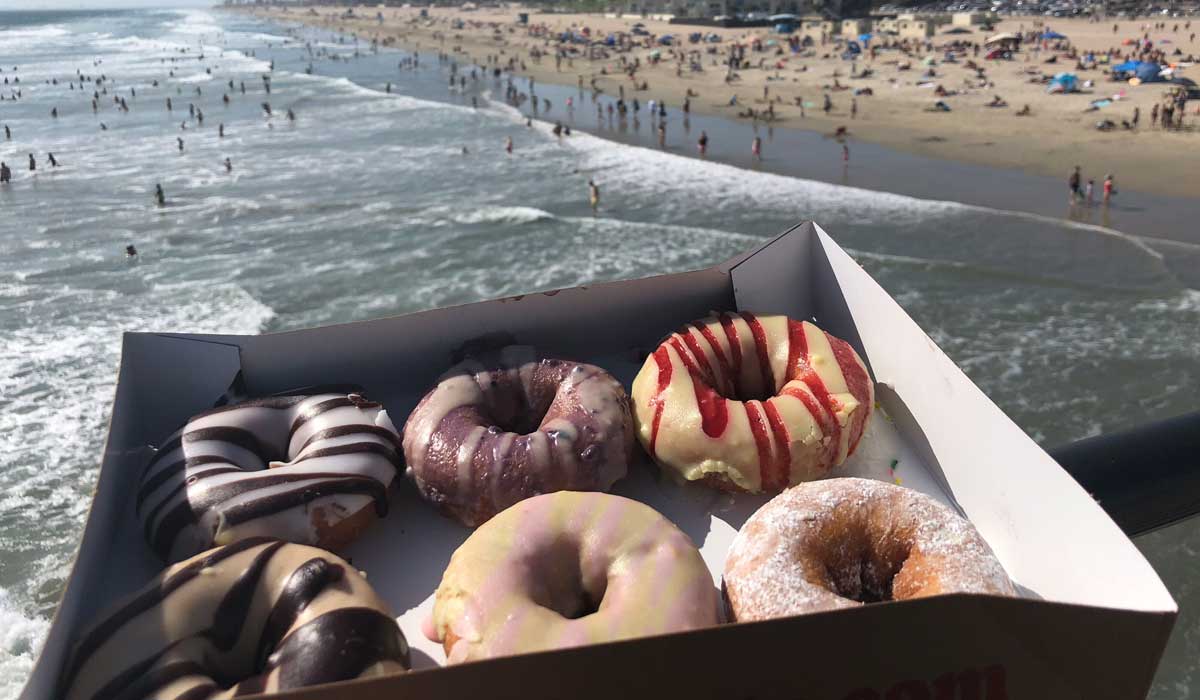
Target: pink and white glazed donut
568	569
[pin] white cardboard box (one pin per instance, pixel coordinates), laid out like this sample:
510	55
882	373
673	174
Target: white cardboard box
1092	622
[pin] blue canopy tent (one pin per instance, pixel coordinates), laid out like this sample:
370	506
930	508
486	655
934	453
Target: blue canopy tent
1127	67
784	28
1148	72
1052	35
666	39
865	38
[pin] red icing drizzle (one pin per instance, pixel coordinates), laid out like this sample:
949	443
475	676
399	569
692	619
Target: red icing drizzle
663	359
778	477
726	370
857	382
714	414
799	368
702	360
759	428
735	352
760	345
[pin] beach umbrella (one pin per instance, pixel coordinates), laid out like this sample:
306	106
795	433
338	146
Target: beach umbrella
783	17
864	38
1001	38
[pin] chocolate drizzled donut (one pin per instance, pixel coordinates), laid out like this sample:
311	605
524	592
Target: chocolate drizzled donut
501	428
256	616
217	479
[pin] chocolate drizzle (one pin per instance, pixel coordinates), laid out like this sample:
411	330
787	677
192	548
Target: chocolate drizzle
351	451
337	645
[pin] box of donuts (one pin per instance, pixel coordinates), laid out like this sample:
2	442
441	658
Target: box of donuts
758	480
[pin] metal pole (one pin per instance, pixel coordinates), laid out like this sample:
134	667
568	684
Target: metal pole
1146	478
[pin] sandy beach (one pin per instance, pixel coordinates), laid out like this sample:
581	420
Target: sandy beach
1056	136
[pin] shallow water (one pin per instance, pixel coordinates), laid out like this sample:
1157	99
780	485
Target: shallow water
366	207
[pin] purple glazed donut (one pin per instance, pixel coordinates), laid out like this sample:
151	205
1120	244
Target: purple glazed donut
506	426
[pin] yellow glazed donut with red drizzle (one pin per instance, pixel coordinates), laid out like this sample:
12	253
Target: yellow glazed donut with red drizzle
567	569
751	403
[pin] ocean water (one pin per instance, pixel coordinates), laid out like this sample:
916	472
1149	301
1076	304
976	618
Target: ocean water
366	206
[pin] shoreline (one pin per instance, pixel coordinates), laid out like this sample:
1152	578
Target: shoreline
1048	144
1160	221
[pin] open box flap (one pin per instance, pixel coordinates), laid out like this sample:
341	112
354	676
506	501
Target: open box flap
1069	549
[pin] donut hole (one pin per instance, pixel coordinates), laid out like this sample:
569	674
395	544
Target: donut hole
558	582
864	568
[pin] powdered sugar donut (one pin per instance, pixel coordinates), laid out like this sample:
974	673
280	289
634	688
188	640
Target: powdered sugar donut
751	403
841	543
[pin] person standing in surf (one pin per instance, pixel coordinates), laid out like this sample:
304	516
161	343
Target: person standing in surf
756	148
702	144
594	195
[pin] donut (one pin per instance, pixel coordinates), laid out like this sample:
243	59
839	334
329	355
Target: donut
751	403
217	480
567	569
507	425
841	543
255	616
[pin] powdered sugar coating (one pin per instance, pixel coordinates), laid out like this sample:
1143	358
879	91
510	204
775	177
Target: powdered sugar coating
829	544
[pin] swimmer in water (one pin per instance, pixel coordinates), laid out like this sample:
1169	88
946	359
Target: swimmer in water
594	195
228	165
53	162
291	115
32	163
221	130
130	251
702	144
266	106
7	133
5	173
180	140
159	196
508	145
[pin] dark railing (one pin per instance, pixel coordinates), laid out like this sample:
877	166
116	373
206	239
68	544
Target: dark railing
1146	477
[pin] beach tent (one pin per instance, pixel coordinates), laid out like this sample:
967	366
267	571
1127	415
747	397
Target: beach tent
1063	83
784	28
1052	35
1148	72
1003	38
666	39
1127	67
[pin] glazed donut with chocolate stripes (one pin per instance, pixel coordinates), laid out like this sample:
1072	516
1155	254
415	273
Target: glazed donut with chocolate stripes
751	403
255	616
507	425
306	469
